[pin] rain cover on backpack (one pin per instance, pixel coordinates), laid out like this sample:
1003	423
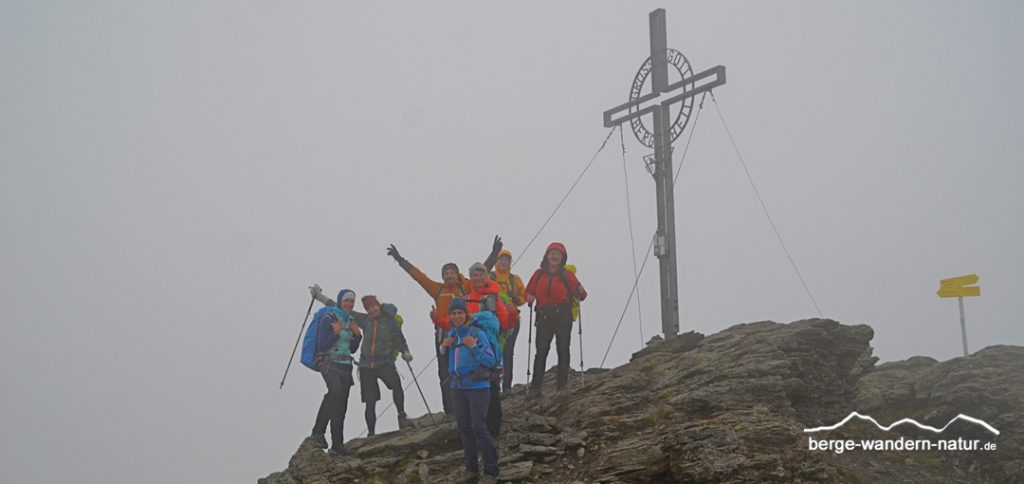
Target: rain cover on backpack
308	356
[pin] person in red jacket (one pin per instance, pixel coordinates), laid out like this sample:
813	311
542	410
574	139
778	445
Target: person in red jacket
553	289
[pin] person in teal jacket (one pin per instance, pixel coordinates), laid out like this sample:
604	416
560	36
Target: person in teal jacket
473	358
338	336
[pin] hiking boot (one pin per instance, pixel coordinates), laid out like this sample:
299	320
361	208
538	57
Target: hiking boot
403	422
468	476
488	479
337	450
318	441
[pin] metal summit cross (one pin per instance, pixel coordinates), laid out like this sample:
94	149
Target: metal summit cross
665	131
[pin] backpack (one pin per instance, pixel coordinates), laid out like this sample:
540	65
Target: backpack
565	280
484	373
308	356
506	298
511	293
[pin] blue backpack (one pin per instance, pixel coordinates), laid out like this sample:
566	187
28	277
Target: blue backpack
308	357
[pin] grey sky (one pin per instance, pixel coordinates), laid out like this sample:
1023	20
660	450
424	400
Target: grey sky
173	176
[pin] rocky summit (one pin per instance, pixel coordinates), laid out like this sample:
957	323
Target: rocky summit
730	407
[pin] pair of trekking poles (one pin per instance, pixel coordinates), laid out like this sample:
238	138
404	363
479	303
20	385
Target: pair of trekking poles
315	290
529	349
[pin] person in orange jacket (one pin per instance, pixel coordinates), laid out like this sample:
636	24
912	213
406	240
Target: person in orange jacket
553	289
453	285
512	287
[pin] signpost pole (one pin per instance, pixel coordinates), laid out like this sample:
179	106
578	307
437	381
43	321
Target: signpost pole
960	287
963	324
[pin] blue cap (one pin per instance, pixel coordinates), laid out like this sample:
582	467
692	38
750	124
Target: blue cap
459	304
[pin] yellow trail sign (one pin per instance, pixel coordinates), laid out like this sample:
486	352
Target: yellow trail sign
959	286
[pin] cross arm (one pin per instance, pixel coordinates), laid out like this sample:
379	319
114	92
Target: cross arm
719	78
717	71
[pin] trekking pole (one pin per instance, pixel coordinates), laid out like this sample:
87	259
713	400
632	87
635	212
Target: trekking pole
425	404
529	351
303	329
581	345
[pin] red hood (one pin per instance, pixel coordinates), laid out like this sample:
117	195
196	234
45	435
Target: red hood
554	246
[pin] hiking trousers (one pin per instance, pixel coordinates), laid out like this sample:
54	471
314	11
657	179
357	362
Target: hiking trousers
442	376
338	378
494	414
507	354
554	323
471	417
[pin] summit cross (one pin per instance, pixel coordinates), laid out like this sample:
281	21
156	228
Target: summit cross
664	131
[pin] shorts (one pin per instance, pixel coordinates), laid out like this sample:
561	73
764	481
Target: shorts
368	381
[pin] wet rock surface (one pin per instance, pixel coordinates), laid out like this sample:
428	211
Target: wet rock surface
730	407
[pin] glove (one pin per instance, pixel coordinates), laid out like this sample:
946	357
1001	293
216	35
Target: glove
393	252
496	247
318	294
407	356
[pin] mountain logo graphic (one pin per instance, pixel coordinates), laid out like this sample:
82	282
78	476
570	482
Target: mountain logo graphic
849	417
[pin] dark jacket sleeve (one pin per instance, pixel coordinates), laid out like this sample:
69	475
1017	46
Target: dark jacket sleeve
360	319
492	258
400	342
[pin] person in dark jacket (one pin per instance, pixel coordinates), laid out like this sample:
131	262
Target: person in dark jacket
473	355
337	337
382	338
553	289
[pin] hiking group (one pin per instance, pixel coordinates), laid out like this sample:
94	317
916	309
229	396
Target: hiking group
476	324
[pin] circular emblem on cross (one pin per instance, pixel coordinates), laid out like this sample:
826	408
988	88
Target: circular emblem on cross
682	116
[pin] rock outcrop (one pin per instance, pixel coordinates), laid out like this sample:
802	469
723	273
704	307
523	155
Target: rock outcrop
730	407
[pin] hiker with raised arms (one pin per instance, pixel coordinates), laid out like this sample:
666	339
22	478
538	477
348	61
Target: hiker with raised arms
473	357
513	288
382	339
453	285
337	336
553	289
